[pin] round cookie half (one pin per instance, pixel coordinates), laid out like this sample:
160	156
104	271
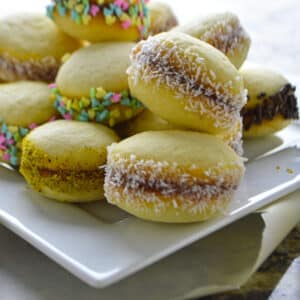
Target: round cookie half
172	176
31	48
272	103
63	160
24	105
93	86
187	82
224	32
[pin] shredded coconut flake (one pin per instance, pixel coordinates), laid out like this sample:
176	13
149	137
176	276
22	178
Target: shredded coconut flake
227	35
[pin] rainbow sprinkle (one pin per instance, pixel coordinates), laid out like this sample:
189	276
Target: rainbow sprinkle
128	12
11	141
101	106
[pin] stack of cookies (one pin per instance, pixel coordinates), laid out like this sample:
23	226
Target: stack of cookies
110	99
31	49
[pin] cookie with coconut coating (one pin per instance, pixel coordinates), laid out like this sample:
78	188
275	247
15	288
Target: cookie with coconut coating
172	176
92	85
188	83
62	160
31	48
162	17
271	105
24	105
102	20
225	32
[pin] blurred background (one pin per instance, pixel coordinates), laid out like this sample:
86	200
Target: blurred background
272	26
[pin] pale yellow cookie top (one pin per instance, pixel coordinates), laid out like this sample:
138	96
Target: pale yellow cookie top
261	80
70	144
185	148
25	102
34	36
99	65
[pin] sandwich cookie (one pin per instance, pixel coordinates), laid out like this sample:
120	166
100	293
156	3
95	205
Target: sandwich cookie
271	105
162	17
64	160
92	86
225	32
31	48
172	176
188	83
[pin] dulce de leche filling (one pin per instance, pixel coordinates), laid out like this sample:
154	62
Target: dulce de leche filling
12	69
144	177
283	103
197	190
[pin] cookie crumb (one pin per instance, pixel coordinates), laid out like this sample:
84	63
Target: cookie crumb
290	171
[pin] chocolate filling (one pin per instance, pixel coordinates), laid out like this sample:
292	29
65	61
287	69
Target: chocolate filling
283	103
167	187
12	69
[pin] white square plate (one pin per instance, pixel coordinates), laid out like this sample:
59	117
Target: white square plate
100	244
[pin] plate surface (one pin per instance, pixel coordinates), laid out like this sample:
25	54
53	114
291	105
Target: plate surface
100	244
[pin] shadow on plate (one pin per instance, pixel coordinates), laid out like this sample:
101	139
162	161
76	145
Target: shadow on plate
67	212
8	173
104	211
257	147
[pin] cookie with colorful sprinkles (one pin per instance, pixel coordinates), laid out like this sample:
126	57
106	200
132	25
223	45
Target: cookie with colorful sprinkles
92	85
31	48
101	20
24	105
